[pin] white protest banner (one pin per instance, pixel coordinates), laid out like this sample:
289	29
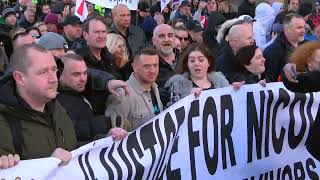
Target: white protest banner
253	133
131	4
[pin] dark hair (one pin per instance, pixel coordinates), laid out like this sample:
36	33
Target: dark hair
71	56
96	17
21	59
183	63
288	18
244	56
33	28
145	51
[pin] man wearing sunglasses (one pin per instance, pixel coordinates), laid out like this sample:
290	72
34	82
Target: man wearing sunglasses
181	33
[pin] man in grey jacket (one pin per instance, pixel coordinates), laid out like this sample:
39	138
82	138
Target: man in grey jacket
143	102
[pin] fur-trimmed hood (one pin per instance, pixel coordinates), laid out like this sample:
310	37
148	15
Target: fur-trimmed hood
224	27
183	85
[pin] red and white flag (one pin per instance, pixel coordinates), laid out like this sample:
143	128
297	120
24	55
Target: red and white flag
81	10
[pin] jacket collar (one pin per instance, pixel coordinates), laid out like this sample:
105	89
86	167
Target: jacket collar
137	86
114	29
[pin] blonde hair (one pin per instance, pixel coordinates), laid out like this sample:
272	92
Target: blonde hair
111	44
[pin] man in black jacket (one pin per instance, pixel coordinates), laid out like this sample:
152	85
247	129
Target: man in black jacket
72	84
95	53
134	36
276	54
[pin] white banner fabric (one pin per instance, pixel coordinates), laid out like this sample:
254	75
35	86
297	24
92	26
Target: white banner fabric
252	133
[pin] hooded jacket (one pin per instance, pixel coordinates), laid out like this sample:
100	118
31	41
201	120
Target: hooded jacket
180	85
39	134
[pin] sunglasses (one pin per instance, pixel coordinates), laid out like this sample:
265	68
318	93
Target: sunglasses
182	38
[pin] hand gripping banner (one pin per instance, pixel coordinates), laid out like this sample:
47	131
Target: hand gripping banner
253	133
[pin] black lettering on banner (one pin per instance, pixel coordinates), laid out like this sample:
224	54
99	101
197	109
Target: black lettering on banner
193	136
286	172
310	164
114	162
309	114
266	141
104	162
148	139
210	109
161	142
278	173
292	138
86	160
226	130
298	167
173	174
86	177
125	159
170	129
133	144
157	128
284	99
253	124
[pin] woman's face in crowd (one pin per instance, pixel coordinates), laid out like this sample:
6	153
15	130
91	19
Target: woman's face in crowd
43	29
212	6
256	65
315	64
120	49
34	33
198	64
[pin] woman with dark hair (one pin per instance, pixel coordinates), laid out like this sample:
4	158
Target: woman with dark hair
194	73
34	32
250	64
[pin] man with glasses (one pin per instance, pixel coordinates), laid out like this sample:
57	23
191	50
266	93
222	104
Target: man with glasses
181	32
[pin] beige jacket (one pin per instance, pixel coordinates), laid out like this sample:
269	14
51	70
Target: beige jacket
136	107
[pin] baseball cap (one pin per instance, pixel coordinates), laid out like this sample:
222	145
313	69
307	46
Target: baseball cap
52	40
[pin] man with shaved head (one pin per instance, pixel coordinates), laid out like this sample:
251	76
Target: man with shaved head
163	40
134	36
239	36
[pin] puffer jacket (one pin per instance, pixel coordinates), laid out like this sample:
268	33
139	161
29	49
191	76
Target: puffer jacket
30	133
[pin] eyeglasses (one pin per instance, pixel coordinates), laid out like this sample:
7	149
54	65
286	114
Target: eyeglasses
182	38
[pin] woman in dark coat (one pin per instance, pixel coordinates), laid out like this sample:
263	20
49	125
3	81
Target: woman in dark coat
303	76
249	66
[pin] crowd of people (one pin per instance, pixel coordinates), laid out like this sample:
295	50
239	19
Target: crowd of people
65	82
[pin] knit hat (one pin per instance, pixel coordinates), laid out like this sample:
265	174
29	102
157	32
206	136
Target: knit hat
52	40
185	3
51	18
7	12
313	20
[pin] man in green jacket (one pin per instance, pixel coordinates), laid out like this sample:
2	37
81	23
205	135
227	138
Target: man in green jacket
32	123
